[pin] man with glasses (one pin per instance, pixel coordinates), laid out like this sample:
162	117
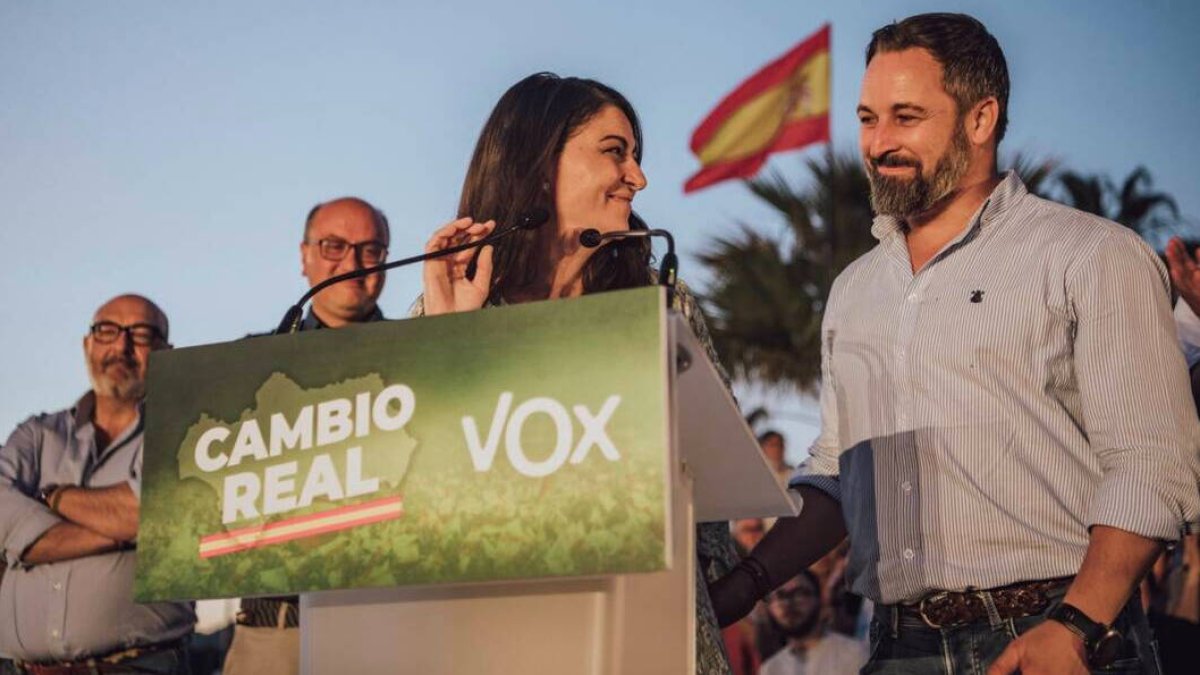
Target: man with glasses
795	610
69	491
340	236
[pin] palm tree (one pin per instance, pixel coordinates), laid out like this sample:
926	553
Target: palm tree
1135	204
1036	174
767	294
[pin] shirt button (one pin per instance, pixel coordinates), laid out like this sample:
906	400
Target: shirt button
912	297
54	632
907	486
57	586
901	353
908	554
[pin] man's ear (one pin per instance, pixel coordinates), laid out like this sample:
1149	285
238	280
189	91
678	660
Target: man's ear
981	122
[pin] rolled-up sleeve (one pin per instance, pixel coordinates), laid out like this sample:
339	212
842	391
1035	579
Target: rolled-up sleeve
820	470
1138	412
23	519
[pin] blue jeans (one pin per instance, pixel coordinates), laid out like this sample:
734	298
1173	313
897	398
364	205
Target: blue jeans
903	645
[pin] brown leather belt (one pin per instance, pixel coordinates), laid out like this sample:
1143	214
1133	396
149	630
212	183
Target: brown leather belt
946	609
109	663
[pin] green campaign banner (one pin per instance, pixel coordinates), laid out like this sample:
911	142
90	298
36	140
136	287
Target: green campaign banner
509	443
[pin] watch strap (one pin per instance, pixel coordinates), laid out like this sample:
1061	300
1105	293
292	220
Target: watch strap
57	496
1079	623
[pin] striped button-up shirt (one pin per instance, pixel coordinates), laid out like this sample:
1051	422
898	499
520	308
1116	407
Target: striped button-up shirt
979	415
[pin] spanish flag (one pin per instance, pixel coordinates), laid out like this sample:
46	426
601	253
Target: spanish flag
784	106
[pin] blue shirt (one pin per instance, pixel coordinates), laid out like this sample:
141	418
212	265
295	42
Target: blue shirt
73	608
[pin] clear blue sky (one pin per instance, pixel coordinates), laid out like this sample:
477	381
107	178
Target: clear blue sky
174	149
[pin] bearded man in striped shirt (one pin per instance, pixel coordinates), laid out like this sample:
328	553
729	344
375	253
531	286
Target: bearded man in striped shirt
1007	434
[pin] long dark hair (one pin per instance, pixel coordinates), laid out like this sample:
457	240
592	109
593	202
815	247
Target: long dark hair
513	172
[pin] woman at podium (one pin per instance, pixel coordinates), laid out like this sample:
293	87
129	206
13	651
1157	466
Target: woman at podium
571	148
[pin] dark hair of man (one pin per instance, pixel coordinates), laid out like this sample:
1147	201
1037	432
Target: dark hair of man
768	435
381	221
514	168
973	65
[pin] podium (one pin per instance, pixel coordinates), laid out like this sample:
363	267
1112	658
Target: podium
618	624
363	469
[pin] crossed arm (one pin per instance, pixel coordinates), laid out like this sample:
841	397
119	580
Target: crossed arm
87	521
95	520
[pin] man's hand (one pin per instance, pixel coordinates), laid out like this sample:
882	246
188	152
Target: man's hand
1185	273
1049	648
1186	605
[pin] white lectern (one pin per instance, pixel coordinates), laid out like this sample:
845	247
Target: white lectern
621	624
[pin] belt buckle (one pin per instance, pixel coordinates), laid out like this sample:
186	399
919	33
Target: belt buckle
921	609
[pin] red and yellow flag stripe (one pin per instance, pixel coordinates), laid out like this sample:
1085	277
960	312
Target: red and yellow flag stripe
342	518
781	107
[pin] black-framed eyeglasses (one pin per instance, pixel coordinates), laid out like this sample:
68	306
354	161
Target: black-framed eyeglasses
142	334
335	248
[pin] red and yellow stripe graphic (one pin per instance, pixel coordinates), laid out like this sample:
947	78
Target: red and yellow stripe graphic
784	106
342	518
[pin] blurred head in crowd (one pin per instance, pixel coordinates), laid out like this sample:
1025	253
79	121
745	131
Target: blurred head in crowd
795	607
773	448
747	533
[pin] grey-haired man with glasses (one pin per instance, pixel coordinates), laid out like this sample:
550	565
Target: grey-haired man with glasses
69	493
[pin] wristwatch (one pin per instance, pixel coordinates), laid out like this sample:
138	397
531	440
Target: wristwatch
47	492
1103	643
52	494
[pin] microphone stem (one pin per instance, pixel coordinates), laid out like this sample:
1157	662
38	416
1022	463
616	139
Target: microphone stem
291	320
668	270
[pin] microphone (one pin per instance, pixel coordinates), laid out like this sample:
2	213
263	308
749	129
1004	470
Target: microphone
668	270
531	220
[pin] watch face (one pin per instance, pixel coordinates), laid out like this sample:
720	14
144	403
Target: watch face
1108	648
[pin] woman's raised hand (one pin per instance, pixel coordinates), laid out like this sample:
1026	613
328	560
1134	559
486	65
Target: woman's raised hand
447	288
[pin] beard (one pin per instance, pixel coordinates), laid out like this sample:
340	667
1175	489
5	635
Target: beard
124	386
907	197
802	628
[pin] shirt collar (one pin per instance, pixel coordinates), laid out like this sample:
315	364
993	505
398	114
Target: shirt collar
1009	191
81	412
81	415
